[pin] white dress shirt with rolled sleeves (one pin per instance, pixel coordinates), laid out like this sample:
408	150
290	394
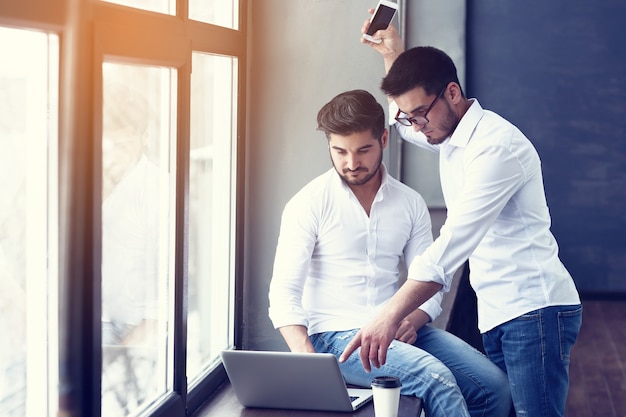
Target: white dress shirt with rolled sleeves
335	266
497	217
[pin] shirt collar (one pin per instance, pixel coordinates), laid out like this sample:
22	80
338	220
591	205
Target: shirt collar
463	132
385	177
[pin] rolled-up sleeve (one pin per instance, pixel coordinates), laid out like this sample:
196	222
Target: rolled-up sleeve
432	307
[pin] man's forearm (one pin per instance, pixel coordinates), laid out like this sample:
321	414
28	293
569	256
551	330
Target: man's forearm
297	338
375	337
405	303
418	318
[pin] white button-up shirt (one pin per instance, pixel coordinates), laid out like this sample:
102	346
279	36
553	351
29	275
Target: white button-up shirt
335	266
497	217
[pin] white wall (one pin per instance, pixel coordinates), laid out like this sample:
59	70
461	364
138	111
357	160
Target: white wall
302	53
442	25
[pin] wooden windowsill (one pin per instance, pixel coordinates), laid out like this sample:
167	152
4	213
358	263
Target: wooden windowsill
225	404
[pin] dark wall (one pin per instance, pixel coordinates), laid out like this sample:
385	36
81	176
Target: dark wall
557	70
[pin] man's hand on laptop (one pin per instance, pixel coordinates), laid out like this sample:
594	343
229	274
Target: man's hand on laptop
374	340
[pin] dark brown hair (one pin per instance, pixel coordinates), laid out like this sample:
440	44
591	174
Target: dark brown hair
352	112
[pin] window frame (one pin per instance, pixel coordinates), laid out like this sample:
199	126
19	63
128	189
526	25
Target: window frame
151	38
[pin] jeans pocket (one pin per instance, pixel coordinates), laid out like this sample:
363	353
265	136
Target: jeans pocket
569	327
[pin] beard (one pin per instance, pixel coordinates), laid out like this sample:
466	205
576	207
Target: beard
370	174
447	124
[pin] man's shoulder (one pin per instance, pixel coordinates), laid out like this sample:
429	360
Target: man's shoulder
323	182
493	120
315	189
401	190
496	131
398	186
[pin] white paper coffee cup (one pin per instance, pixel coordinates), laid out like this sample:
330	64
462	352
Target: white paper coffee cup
386	390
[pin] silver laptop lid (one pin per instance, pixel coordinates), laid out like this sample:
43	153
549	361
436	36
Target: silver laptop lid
285	380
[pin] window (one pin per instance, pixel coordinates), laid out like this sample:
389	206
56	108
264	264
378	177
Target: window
28	236
218	12
160	6
211	213
138	218
119	205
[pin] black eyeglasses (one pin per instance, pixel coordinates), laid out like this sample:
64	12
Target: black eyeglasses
418	120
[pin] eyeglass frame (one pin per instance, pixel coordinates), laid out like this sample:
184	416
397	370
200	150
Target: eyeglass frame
417	120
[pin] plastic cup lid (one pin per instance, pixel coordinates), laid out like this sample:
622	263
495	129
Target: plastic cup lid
386	382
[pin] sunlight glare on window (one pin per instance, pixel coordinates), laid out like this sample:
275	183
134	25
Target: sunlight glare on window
28	223
138	222
159	6
211	210
217	12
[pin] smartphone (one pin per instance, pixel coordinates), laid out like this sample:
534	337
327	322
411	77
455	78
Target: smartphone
382	17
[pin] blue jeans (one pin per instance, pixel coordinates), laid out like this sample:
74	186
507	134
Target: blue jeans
451	377
534	351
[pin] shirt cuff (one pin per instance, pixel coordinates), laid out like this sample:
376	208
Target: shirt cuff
393	110
432	307
428	273
282	318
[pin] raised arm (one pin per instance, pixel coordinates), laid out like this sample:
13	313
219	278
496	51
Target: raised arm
391	46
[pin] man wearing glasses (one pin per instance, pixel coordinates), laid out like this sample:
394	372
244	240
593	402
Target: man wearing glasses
529	311
344	240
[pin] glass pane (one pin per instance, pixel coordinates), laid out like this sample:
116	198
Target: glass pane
211	210
159	6
217	12
28	223
138	173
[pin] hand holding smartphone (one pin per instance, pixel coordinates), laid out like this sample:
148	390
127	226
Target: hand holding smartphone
380	20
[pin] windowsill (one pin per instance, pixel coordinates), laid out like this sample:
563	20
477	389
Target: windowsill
225	404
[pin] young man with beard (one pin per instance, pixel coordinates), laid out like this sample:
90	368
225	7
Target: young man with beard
343	240
529	310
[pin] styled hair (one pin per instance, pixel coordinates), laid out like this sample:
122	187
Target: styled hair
352	112
422	66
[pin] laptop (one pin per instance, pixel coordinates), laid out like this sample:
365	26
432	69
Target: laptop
286	380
